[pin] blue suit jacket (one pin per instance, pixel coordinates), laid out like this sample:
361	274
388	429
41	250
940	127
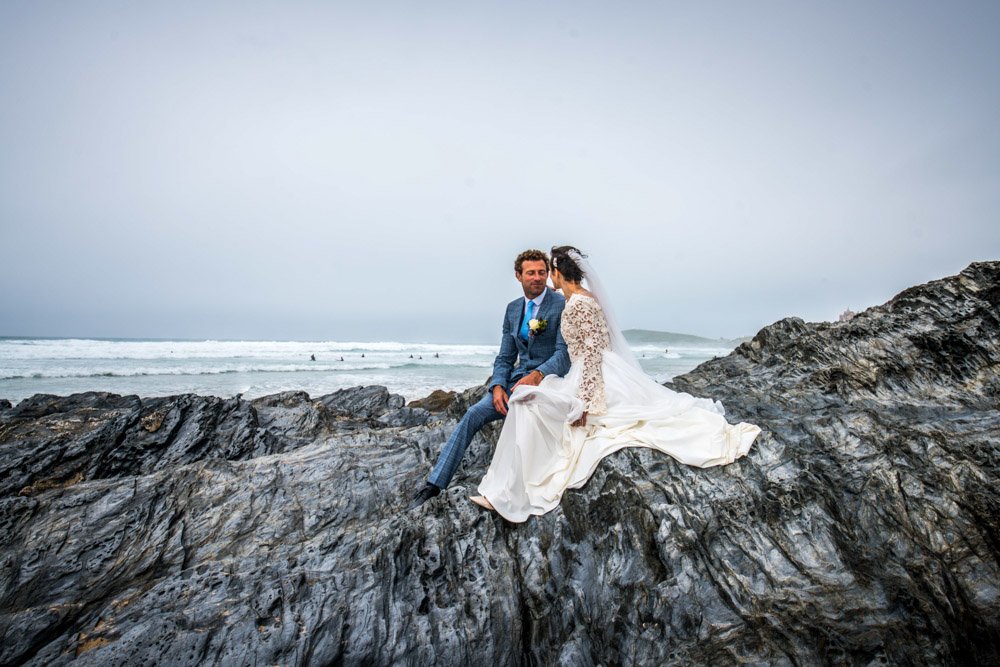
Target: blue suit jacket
545	352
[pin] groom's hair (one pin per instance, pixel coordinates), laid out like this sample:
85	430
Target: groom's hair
530	256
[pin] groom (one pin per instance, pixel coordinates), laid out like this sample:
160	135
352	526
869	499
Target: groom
531	348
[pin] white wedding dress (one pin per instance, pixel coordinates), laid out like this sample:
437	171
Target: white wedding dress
539	455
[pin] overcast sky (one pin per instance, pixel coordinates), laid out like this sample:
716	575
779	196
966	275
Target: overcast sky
369	170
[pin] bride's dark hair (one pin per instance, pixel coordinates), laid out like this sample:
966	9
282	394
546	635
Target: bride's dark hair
561	260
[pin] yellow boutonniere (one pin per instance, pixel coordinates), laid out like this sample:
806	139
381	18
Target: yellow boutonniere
536	327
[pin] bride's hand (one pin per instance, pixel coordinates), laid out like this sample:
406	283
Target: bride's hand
582	421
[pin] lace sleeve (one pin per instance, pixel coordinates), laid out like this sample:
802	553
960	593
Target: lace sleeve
594	340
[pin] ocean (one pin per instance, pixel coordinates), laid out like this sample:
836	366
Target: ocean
224	368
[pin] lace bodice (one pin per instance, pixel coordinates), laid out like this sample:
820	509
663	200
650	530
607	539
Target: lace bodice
586	333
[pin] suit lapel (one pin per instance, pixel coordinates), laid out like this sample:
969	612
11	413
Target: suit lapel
542	313
514	315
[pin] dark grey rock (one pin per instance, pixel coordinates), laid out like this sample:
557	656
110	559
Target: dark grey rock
463	400
861	529
49	441
879	469
405	417
291	417
370	402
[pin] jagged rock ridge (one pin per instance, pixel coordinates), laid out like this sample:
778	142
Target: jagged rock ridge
862	528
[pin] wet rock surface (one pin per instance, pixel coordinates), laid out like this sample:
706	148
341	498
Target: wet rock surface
862	528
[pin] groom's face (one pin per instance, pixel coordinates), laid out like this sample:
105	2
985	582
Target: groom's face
532	277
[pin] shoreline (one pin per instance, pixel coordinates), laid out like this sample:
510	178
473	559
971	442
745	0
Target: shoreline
150	368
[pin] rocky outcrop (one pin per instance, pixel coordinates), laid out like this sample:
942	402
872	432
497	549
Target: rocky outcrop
877	479
51	441
365	402
862	528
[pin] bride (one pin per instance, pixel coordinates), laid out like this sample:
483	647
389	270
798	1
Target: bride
556	433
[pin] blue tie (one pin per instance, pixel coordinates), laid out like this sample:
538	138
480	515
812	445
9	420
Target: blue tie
527	318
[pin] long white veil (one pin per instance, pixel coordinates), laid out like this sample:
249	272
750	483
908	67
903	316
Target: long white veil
618	343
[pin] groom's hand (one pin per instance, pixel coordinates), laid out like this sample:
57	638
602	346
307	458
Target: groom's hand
532	379
500	400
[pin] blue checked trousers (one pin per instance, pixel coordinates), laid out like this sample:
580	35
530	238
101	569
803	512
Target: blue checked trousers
475	418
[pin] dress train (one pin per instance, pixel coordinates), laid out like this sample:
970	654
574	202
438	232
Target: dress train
539	455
